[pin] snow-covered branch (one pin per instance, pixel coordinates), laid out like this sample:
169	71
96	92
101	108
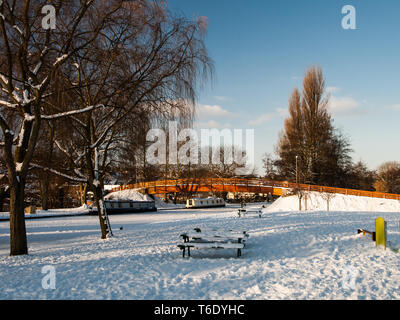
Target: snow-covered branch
7	104
63	150
18	30
60	60
4	80
40	63
70	113
36	70
76	179
101	139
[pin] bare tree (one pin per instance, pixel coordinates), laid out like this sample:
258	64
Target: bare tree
269	165
150	61
328	196
30	56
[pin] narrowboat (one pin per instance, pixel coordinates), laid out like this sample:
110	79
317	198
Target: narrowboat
210	202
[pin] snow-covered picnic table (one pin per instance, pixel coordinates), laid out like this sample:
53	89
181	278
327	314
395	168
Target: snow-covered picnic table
244	212
213	239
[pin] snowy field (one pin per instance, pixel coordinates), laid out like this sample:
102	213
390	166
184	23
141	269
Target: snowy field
50	213
315	201
289	255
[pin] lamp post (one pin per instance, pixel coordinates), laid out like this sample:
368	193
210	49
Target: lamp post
299	193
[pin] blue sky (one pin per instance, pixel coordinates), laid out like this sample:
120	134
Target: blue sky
262	48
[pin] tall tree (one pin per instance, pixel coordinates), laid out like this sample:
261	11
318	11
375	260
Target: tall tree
29	57
291	141
310	147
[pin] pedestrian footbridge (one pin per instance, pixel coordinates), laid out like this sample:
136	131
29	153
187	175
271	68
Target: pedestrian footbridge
260	186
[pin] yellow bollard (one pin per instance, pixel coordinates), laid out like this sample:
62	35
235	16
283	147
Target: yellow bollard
381	235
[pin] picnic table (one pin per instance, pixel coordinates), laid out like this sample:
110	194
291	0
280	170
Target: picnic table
213	239
243	212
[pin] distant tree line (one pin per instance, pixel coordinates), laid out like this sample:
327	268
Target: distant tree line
311	150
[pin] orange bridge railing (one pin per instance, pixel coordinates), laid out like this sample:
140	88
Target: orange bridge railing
263	186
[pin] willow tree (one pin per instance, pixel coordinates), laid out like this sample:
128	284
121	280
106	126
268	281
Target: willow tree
151	65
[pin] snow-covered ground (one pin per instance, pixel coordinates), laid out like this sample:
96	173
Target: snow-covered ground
289	255
315	201
50	213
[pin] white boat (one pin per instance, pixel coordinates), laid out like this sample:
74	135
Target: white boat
127	206
205	203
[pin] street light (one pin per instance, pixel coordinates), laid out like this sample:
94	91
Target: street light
297	181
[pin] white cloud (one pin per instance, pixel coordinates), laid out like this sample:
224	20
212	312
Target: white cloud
212	124
263	118
283	112
394	107
205	112
267	117
343	105
223	98
332	89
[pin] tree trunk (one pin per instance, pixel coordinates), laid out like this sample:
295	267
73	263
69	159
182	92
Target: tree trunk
83	193
103	219
18	239
305	202
299	196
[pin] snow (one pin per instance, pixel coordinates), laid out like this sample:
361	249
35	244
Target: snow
7	104
10	132
4	79
18	29
26	97
21	135
39	86
83	210
338	202
28	117
18	166
128	194
288	255
111	186
60	59
36	70
70	113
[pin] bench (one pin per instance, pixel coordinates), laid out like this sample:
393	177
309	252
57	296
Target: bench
244	212
213	240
